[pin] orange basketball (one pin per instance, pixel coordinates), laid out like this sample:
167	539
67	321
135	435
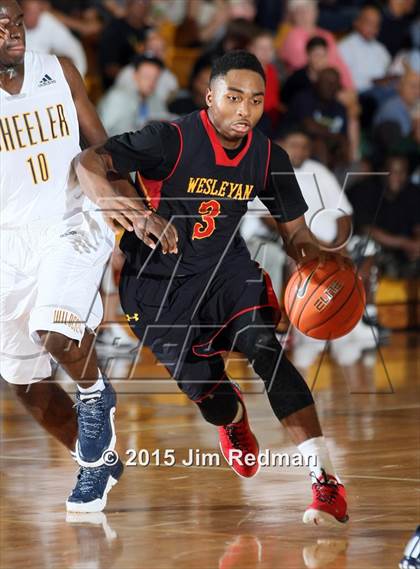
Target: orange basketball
324	302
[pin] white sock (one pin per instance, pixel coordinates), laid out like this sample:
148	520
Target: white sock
239	414
317	457
99	385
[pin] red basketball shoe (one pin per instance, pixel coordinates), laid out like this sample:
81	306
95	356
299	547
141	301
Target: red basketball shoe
329	506
238	444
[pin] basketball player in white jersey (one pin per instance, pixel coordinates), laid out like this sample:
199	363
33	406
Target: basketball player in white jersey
54	247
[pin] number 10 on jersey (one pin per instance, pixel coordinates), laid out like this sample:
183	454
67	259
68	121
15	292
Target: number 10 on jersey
38	166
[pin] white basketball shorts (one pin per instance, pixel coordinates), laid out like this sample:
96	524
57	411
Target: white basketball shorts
49	280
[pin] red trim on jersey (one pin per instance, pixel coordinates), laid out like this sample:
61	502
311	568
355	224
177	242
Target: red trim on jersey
272	297
222	159
268	162
243	311
272	303
152	190
181	147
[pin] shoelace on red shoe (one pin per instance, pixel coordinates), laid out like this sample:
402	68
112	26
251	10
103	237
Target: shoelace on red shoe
326	490
238	436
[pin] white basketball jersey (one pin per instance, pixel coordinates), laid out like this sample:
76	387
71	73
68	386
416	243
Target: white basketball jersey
39	137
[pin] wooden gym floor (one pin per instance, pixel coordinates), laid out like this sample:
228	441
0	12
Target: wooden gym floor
206	517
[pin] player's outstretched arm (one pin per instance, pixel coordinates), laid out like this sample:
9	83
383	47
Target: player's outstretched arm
285	201
117	198
118	204
119	201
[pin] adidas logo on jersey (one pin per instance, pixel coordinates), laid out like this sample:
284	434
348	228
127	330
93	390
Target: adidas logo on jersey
46	80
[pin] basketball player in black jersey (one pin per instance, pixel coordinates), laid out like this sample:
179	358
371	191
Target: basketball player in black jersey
196	292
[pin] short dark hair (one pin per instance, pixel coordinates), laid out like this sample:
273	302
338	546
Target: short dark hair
147	58
236	60
316	41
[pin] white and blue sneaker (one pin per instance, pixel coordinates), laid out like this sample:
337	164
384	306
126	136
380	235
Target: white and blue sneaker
95	417
411	559
92	487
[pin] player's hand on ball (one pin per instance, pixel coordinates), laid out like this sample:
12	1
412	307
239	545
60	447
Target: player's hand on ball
311	251
161	229
308	251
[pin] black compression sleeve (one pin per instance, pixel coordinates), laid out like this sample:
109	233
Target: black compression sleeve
153	150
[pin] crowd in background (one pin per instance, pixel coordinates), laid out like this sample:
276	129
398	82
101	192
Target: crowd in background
343	89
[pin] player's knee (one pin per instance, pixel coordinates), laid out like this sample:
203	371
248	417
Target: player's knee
262	349
266	341
220	407
55	343
286	389
257	343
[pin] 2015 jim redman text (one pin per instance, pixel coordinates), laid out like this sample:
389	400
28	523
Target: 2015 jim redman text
196	457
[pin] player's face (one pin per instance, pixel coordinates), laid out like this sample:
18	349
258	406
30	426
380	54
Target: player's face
236	103
12	49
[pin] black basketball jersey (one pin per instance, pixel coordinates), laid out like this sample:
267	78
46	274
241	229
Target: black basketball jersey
205	197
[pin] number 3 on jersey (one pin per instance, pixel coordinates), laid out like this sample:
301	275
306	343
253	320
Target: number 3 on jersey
39	168
208	211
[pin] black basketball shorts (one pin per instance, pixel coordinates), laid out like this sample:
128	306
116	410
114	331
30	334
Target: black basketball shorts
189	321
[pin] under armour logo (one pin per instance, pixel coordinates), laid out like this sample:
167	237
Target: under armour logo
134	317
